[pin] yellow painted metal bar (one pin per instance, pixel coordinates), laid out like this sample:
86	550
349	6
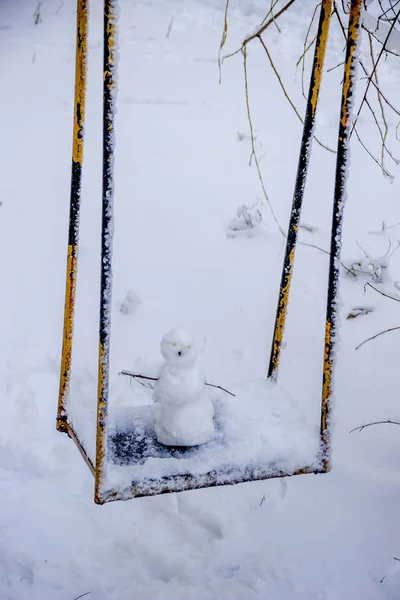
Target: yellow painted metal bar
75	199
305	150
337	221
106	245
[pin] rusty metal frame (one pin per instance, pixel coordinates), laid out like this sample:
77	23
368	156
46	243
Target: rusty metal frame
62	422
331	326
302	170
109	81
186	482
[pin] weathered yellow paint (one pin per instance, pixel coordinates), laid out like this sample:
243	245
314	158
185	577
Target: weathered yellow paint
70	285
320	53
352	38
100	430
354	22
281	316
327	376
77	155
80	81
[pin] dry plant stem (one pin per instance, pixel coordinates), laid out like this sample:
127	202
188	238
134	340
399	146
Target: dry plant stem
82	595
381	293
370	78
302	58
267	24
385	171
361	427
335	67
261	29
271	8
383	135
385	12
287	96
376	335
349	271
306	50
223	38
382	50
246	85
379	91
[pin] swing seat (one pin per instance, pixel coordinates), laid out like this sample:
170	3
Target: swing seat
261	433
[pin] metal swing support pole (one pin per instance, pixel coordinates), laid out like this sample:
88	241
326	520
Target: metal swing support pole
62	423
337	225
109	90
302	169
75	206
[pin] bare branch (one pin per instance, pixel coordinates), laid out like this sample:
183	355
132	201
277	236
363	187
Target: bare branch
246	86
361	427
382	50
82	595
306	50
287	95
223	38
376	335
267	24
384	171
381	293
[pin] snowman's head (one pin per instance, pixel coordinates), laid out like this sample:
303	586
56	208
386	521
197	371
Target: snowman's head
178	349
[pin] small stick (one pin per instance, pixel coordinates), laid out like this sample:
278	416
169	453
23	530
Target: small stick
381	293
375	336
361	427
138	376
221	388
82	595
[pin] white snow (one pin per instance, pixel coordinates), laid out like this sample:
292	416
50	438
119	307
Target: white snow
184	413
180	174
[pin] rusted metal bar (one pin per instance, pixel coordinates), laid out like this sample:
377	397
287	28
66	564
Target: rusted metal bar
337	224
74	214
73	435
109	86
180	483
302	169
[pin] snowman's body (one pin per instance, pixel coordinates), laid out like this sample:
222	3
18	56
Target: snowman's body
184	414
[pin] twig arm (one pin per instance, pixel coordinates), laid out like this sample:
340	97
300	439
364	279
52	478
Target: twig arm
139	376
361	427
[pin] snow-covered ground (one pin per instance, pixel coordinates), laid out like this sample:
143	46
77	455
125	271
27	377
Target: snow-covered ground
182	170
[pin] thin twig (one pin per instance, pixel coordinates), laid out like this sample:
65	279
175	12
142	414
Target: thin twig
305	50
375	336
223	39
380	292
267	24
378	89
335	67
246	86
139	376
275	70
382	50
170	27
82	595
385	171
361	427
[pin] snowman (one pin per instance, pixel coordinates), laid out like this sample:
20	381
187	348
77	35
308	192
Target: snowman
183	413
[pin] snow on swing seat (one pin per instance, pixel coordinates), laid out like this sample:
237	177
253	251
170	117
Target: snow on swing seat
260	433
